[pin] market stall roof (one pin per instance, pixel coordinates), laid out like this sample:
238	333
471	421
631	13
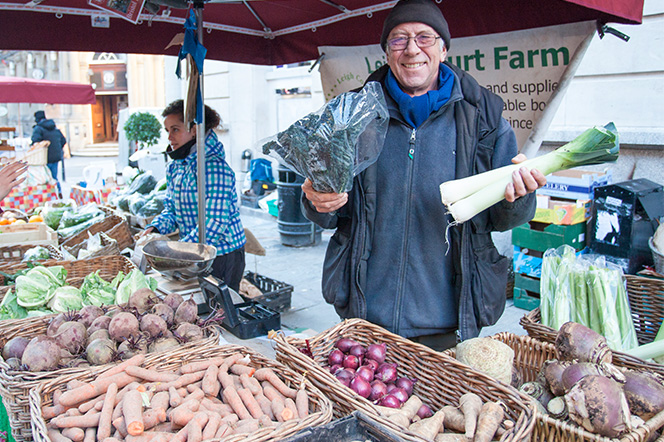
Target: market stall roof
275	32
27	90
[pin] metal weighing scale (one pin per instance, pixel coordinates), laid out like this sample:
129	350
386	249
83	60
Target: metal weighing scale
185	261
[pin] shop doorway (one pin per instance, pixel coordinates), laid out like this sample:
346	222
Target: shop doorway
105	119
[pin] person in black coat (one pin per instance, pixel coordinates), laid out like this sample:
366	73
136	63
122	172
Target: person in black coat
45	130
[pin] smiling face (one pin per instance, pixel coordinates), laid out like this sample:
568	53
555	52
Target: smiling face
415	68
177	133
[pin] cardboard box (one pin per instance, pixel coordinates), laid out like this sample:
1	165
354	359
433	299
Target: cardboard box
541	237
559	211
574	184
526	264
625	216
38	234
529	263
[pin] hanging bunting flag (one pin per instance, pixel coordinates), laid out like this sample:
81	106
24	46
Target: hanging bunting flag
194	52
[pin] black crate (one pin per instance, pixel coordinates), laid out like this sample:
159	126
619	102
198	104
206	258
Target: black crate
356	427
624	217
276	295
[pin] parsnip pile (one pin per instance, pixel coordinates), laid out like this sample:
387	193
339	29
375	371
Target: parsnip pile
471	421
202	400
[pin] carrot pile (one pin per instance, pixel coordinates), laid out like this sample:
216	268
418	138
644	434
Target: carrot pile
472	421
210	399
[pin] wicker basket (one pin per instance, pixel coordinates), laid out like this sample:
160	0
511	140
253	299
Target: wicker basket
109	246
320	406
108	267
113	225
529	355
15	385
11	256
442	379
646	302
37	155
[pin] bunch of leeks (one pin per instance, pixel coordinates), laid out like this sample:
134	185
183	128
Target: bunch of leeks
469	196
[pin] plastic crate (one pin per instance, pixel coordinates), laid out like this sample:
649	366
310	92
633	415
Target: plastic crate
249	200
356	427
276	295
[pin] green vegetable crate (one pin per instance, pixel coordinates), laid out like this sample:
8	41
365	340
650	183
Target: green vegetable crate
541	236
526	292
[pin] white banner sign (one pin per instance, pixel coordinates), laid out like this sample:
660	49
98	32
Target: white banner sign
523	67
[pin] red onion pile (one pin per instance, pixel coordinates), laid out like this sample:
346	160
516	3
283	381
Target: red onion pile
364	370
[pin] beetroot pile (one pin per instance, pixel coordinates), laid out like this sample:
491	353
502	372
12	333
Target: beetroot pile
95	336
583	386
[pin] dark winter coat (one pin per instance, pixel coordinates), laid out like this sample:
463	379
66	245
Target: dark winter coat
460	137
46	130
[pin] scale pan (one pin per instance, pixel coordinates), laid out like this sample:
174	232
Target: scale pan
186	258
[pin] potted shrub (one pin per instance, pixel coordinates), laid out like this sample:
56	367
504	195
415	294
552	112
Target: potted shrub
142	130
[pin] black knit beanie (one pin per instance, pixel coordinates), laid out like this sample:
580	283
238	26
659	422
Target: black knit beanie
39	115
418	11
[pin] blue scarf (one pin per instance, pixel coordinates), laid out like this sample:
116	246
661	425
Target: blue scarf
416	110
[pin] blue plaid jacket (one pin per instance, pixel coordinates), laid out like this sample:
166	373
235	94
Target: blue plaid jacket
223	226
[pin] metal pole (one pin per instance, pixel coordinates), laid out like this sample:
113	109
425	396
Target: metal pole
200	135
534	141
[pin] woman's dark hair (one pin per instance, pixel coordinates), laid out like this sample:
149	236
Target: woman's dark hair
212	118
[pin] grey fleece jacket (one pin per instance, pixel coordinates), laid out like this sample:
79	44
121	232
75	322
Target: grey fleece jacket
390	261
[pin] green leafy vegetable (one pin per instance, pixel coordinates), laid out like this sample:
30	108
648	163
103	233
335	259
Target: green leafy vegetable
133	281
36	288
65	299
96	291
9	308
325	146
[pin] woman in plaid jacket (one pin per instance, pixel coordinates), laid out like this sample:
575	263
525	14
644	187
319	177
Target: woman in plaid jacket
222	213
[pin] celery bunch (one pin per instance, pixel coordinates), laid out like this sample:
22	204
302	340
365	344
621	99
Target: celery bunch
469	196
587	290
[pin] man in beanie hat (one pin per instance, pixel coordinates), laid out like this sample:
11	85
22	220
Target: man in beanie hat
396	259
45	130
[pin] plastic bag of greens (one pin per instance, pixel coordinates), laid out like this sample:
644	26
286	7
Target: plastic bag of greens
155	205
37	253
73	230
53	212
334	144
136	203
83	214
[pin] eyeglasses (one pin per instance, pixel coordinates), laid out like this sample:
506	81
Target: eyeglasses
422	41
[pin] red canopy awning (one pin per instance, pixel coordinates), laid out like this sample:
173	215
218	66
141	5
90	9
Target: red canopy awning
26	90
274	32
